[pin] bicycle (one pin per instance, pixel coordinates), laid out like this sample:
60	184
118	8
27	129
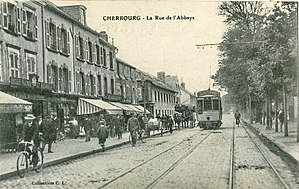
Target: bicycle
24	159
138	134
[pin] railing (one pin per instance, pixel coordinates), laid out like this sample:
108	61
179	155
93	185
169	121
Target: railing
19	82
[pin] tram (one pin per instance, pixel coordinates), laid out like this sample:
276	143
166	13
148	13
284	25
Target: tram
209	110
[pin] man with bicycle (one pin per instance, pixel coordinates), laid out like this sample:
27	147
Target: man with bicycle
237	117
133	125
30	133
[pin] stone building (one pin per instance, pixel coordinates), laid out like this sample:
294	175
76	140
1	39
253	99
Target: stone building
157	96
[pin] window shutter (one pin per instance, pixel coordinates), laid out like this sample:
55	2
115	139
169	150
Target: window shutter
70	81
5	15
94	55
86	50
85	83
18	21
47	33
24	21
83	53
49	73
77	45
35	27
68	43
57	38
78	82
94	86
59	42
59	79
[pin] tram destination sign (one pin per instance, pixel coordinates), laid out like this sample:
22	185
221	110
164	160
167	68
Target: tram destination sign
208	92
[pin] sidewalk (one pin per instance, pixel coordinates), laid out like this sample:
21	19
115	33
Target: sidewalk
287	144
64	151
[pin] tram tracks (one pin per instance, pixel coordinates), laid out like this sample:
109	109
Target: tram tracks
261	151
160	177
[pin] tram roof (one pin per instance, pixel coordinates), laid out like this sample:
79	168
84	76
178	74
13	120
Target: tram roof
208	93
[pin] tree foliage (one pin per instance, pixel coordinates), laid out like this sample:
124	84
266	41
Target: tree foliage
258	51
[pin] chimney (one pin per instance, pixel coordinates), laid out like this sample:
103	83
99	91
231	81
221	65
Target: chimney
78	12
161	76
104	35
183	85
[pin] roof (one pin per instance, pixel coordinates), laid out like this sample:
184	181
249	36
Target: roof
124	62
155	81
185	90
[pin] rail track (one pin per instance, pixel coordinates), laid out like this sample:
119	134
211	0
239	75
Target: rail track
232	160
154	182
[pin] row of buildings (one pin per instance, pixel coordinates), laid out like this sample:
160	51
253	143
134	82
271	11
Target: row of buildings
51	57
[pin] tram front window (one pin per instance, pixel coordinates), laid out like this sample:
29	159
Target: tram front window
215	104
200	106
207	105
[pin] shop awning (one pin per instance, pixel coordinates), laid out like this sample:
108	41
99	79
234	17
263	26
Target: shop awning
11	104
133	108
90	106
122	106
142	109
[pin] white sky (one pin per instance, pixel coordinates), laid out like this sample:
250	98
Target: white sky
156	45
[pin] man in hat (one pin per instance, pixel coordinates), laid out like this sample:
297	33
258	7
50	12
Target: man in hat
30	134
49	133
133	125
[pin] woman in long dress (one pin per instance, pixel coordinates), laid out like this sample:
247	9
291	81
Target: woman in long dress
102	131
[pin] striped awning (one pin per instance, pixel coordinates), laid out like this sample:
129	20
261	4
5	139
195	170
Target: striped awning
12	104
141	108
123	106
133	108
90	106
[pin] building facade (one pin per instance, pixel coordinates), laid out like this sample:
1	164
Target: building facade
157	96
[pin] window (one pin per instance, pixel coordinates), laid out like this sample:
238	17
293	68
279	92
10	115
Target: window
65	80
111	60
155	96
92	85
200	106
52	73
99	85
64	40
104	57
98	62
105	86
207	104
14	64
112	86
216	104
90	51
82	83
29	23
11	17
51	35
31	64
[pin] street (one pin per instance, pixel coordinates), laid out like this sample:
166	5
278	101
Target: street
190	158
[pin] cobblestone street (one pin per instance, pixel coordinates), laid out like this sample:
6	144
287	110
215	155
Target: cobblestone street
207	166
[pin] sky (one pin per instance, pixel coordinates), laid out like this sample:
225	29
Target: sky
162	45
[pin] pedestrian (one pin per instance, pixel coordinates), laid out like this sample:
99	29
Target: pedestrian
102	131
49	133
74	127
55	122
133	125
170	124
237	117
87	128
119	126
281	119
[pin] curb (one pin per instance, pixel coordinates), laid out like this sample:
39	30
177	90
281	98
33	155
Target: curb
75	156
284	148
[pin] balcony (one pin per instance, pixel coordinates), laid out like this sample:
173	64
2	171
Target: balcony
27	84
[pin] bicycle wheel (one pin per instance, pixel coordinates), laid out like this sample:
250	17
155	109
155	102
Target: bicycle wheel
22	165
40	162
